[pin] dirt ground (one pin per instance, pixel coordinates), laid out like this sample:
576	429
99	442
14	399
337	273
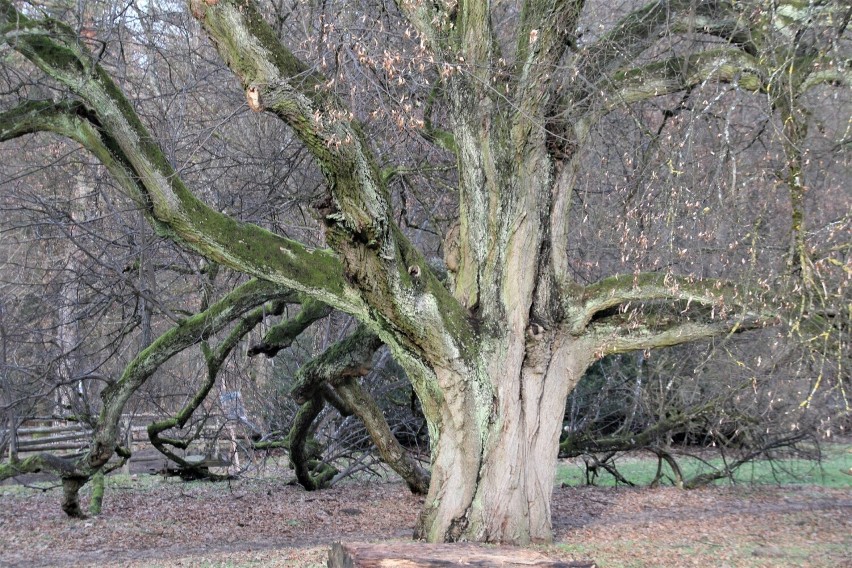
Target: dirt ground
150	522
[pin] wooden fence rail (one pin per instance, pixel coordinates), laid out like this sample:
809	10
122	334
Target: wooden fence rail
55	435
42	438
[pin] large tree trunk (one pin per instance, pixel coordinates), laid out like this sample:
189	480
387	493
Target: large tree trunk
495	459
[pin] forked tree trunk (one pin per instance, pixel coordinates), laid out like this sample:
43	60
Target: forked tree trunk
494	463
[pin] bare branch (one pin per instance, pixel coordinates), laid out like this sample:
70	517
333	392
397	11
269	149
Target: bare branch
649	287
282	335
726	65
612	337
193	330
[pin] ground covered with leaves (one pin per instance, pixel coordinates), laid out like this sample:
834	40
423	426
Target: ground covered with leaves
151	521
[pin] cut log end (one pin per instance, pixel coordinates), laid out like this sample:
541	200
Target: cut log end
421	555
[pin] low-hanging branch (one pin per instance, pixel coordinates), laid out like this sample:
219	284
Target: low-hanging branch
311	472
77	471
338	368
364	406
214	358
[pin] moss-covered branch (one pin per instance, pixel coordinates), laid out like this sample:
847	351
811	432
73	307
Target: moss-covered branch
282	335
214	358
278	82
725	65
190	332
116	135
76	472
38	463
311	472
333	376
650	310
411	313
70	471
347	358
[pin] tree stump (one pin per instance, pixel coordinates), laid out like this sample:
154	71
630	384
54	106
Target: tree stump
421	555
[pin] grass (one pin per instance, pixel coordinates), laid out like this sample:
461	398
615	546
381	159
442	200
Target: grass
836	459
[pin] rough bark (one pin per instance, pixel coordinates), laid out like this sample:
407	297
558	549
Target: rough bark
492	474
364	555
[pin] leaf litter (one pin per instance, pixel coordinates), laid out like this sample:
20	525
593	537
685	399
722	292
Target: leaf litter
261	522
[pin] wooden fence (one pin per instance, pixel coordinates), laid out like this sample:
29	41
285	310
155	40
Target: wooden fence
59	436
53	435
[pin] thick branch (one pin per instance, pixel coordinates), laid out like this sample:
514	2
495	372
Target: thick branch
377	257
619	335
63	467
652	287
117	137
339	367
311	472
724	65
544	34
347	358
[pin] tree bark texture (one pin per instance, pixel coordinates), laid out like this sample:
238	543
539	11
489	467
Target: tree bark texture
364	555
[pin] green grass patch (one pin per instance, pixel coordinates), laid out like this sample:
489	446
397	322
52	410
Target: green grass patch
641	470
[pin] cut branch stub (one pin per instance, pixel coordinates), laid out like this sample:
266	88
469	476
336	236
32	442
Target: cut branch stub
253	98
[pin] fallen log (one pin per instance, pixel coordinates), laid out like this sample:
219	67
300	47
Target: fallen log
422	555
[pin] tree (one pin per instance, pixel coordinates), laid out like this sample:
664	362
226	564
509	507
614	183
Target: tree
493	350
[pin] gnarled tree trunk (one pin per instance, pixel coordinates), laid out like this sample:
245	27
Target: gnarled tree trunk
494	460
